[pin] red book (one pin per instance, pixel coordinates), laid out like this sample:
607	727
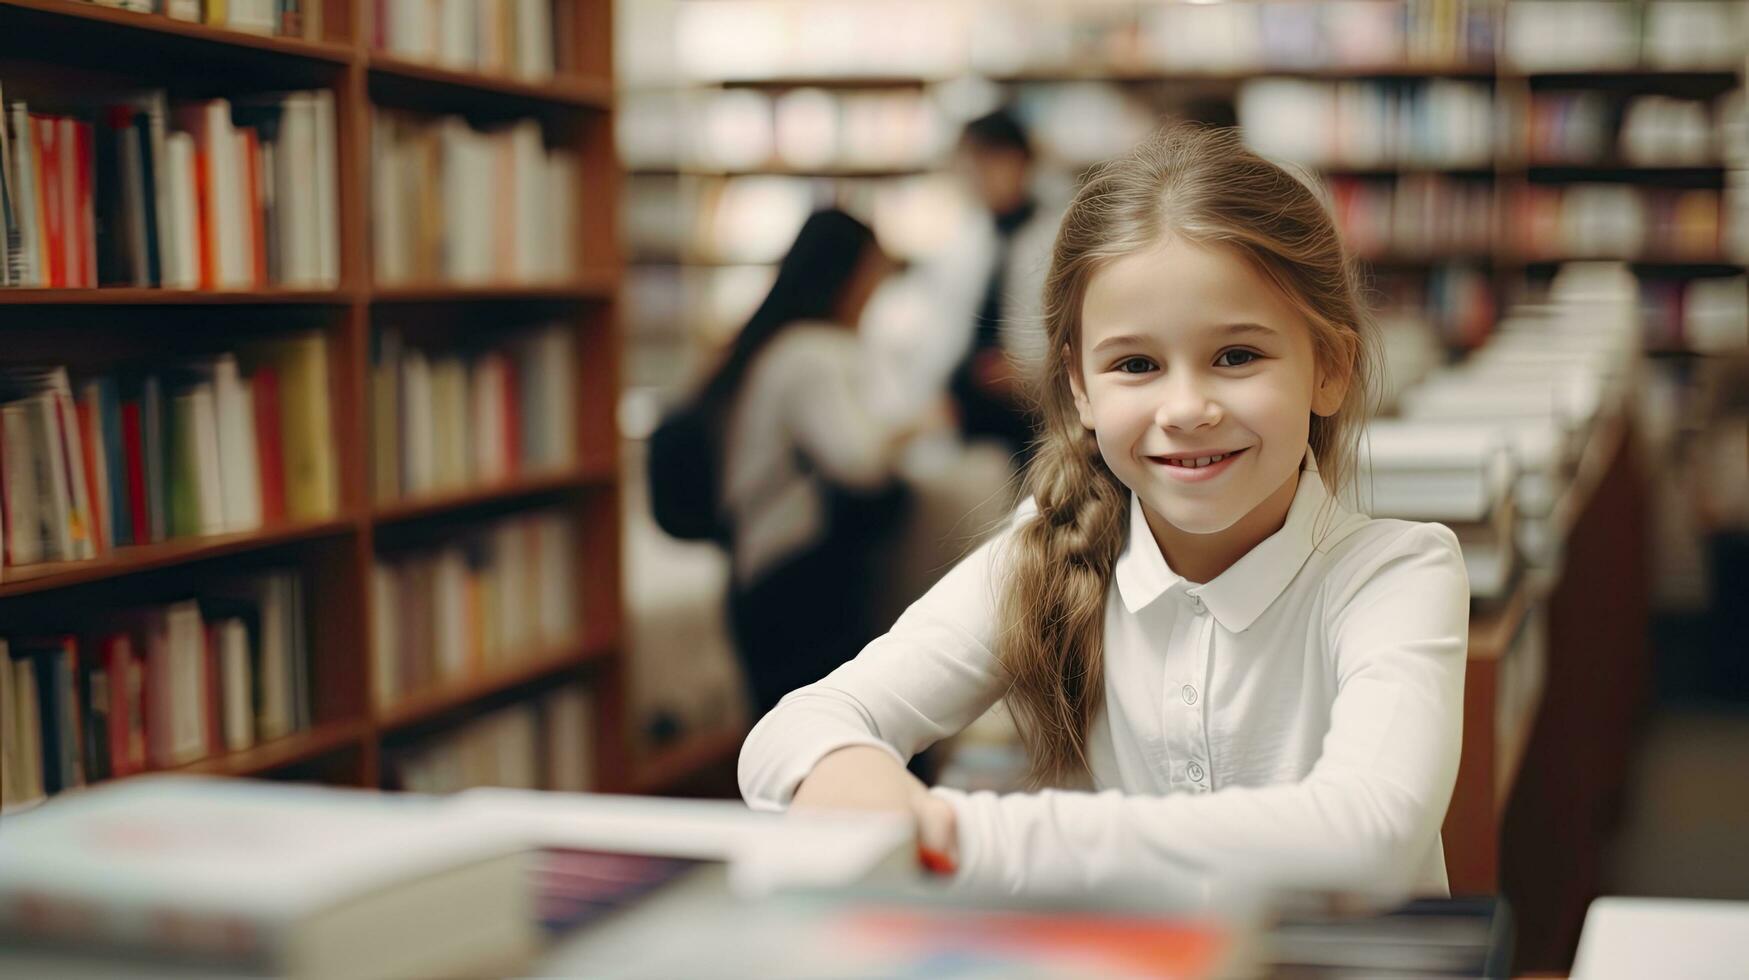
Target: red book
512	416
213	690
84	211
268	444
54	212
257	220
89	446
127	723
206	223
134	453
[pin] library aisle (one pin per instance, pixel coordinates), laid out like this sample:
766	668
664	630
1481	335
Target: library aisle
399	513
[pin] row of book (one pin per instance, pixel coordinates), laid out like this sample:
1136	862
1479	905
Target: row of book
1647	130
443	420
1439	123
458	204
1413	215
805	129
1560	35
192	195
1705	314
504	593
224	443
510	37
285	18
1616	221
547	743
155	688
1457	298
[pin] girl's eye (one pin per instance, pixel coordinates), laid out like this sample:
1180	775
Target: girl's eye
1244	357
1135	365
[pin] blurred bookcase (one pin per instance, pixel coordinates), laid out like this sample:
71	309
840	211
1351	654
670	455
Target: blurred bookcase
1470	146
67	55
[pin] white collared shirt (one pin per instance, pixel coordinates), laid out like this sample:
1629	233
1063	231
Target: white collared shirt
1294	722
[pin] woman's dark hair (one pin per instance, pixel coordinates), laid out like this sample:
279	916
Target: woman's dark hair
810	286
998	130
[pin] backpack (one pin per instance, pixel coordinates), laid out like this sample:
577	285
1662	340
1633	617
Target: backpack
684	473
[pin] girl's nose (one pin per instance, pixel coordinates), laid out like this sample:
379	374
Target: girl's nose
1185	403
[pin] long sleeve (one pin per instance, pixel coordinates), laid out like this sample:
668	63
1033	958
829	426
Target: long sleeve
927	678
832	419
1368	813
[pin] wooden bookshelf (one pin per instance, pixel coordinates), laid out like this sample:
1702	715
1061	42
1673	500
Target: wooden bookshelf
671	766
61	45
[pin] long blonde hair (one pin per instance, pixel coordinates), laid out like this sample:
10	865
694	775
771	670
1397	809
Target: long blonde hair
1203	185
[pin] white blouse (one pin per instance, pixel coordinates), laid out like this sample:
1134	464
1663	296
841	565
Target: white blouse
805	397
1295	722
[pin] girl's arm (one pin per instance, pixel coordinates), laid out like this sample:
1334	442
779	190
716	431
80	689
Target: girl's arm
926	679
1368	814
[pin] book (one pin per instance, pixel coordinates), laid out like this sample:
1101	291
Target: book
290	876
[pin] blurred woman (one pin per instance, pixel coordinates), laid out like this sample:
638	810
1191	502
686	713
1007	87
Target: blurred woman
808	468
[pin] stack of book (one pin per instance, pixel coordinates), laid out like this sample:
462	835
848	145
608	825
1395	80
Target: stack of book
1461	476
497	37
447	420
544	744
503	595
225	443
155	687
208	194
286	18
456	204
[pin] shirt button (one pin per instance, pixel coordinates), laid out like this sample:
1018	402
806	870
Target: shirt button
1195	772
1196	602
1189	694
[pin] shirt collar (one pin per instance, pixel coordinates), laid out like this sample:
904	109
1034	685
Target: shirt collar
1240	594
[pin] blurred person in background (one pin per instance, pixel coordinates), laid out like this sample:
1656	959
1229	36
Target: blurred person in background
809	470
992	284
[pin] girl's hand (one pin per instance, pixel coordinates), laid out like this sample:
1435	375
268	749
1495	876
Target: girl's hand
863	778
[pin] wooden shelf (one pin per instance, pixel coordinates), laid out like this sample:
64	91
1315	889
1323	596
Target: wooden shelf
144	558
593	285
407	80
800	173
674	764
133	296
82	22
433	505
1406	169
424	705
1481	73
281	752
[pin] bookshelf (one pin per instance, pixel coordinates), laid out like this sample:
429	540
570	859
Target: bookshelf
52	47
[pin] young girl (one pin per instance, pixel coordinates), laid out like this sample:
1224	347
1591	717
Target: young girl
1215	668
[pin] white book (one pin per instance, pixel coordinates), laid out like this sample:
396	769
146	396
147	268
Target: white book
1435	472
556	576
185	642
195	409
183	9
486	390
55	496
239	466
255	16
385	642
295	190
455	33
327	200
28	730
568	718
418	435
528	185
9	749
239	684
388	226
18	466
534	38
449	581
274	715
24	170
183	271
81	519
303	881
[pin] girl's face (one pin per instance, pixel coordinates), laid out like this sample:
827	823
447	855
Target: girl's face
1187	353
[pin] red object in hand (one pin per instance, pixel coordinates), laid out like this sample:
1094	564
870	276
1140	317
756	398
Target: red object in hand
934	861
